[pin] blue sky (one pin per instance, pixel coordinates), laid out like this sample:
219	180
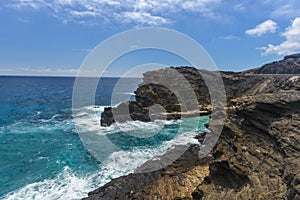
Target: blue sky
52	37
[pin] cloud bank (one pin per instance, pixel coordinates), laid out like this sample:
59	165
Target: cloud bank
145	12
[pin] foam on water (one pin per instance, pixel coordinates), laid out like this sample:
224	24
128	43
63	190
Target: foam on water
68	184
65	186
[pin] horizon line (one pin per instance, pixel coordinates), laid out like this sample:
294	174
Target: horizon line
61	76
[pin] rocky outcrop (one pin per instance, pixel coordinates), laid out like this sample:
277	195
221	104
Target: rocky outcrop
161	87
289	65
258	153
177	180
256	157
157	86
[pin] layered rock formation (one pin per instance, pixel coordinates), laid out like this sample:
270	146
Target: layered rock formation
257	155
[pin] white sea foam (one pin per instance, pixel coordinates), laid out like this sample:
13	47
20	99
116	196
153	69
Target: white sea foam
65	186
129	93
69	185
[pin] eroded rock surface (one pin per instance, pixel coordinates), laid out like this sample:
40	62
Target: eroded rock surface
158	88
256	157
258	153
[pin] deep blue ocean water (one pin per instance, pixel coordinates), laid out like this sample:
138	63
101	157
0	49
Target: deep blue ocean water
42	156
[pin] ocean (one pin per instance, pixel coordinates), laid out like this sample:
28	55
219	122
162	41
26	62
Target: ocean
42	156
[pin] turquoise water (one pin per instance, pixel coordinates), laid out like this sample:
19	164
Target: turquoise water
42	156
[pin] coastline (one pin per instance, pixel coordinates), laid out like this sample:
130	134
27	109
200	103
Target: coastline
257	155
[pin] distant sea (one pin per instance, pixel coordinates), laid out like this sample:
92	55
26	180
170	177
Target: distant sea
42	156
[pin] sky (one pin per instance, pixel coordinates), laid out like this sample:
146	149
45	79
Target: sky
53	37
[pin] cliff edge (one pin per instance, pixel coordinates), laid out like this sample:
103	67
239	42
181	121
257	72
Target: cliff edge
256	157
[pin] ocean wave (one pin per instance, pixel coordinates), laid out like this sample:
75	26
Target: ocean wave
73	184
66	185
128	93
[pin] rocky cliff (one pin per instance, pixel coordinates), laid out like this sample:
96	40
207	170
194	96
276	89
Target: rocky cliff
257	155
156	89
267	79
289	65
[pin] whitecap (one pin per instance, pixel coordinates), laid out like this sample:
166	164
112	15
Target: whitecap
66	185
69	185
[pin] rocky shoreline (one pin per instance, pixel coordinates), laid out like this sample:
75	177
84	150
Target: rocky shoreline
257	155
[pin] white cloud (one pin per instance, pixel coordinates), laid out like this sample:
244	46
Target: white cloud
64	2
34	4
284	9
81	14
229	37
202	6
145	12
291	43
265	27
239	7
142	18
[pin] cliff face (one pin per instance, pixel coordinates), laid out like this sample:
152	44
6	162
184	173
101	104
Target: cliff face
152	92
257	155
177	180
161	87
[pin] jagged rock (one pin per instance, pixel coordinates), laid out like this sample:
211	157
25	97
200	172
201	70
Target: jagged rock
156	89
175	181
256	157
153	90
259	150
